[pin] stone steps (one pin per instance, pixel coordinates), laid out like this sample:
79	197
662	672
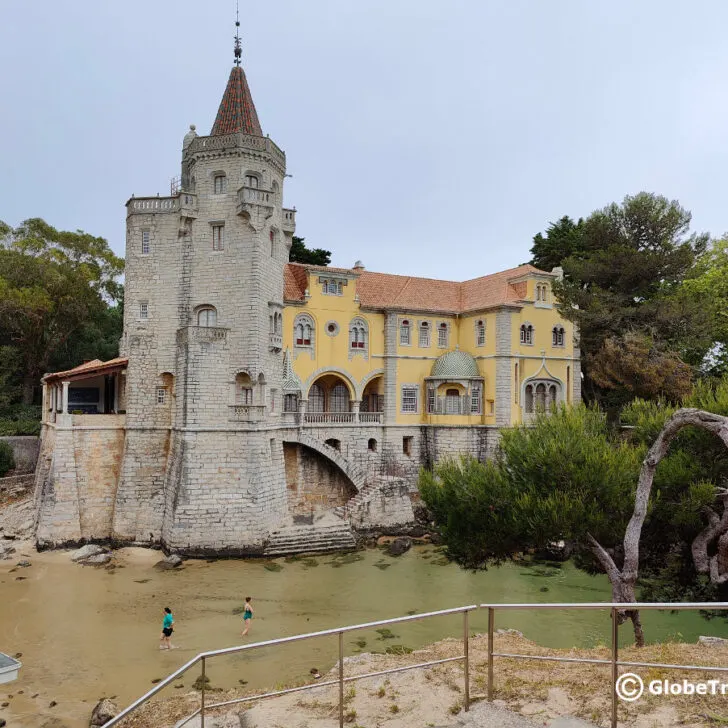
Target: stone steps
310	539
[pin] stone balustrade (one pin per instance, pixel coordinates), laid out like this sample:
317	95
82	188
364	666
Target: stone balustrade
201	334
146	205
329	418
370	418
238	140
250	413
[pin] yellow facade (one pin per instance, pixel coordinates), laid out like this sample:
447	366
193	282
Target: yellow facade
507	362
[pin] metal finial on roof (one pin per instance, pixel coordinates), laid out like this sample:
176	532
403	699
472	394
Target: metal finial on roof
238	48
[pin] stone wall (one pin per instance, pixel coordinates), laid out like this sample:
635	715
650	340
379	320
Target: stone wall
25	450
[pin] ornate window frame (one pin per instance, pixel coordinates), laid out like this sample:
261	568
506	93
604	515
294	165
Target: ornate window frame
405	332
358	337
443	334
558	336
527	334
412	407
306	341
424	327
480	332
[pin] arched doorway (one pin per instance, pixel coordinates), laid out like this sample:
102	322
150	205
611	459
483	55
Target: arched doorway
329	400
372	400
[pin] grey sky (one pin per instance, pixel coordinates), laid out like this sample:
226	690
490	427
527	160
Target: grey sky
424	137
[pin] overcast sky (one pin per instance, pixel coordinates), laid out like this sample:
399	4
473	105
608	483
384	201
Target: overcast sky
425	137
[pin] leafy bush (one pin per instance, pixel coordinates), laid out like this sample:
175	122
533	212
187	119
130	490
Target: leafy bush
11	427
7	459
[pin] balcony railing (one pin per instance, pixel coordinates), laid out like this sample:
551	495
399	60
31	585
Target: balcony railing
256	196
276	341
201	334
370	418
328	418
450	406
153	204
247	412
238	139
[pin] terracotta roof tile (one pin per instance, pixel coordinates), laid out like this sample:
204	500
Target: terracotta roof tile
237	110
89	366
386	290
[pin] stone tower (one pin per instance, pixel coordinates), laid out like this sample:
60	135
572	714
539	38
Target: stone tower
203	462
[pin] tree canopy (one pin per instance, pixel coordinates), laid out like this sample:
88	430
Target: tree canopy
313	256
60	302
623	273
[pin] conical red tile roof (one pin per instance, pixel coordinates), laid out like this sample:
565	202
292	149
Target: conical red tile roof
237	110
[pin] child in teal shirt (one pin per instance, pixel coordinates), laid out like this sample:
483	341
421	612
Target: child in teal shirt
167	629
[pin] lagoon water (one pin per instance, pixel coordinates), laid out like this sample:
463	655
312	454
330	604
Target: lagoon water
85	633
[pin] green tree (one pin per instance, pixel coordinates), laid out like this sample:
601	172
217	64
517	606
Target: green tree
563	239
313	256
54	285
623	270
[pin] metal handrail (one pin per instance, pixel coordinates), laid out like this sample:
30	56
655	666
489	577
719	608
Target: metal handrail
614	662
340	632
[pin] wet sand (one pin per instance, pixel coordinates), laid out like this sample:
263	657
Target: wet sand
88	632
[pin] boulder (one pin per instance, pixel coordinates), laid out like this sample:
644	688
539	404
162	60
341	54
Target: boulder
104	711
399	546
85	552
171	562
712	641
98	560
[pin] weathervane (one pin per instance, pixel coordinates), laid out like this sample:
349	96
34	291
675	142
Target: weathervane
238	47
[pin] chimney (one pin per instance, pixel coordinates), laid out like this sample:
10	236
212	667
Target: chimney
359	266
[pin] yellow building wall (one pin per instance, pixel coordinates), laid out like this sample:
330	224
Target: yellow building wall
414	362
332	352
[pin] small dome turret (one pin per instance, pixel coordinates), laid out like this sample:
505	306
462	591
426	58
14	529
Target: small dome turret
456	365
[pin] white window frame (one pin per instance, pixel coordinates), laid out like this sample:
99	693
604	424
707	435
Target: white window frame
307	325
476	400
144	310
424	338
527	334
218	237
480	332
161	395
146	242
405	332
252	180
443	335
410	399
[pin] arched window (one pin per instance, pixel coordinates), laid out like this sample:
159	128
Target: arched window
358	334
290	403
219	184
243	389
452	402
372	445
527	334
207	316
480	332
404	332
541	397
333	442
303	331
278	323
528	404
339	399
558	336
316	398
553	397
252	180
424	334
443	331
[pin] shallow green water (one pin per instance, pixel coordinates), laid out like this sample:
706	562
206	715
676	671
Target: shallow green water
85	633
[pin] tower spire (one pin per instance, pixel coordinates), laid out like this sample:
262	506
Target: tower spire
237	110
238	48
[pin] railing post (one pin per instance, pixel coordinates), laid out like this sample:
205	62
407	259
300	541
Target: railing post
341	680
202	699
466	645
615	667
491	630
